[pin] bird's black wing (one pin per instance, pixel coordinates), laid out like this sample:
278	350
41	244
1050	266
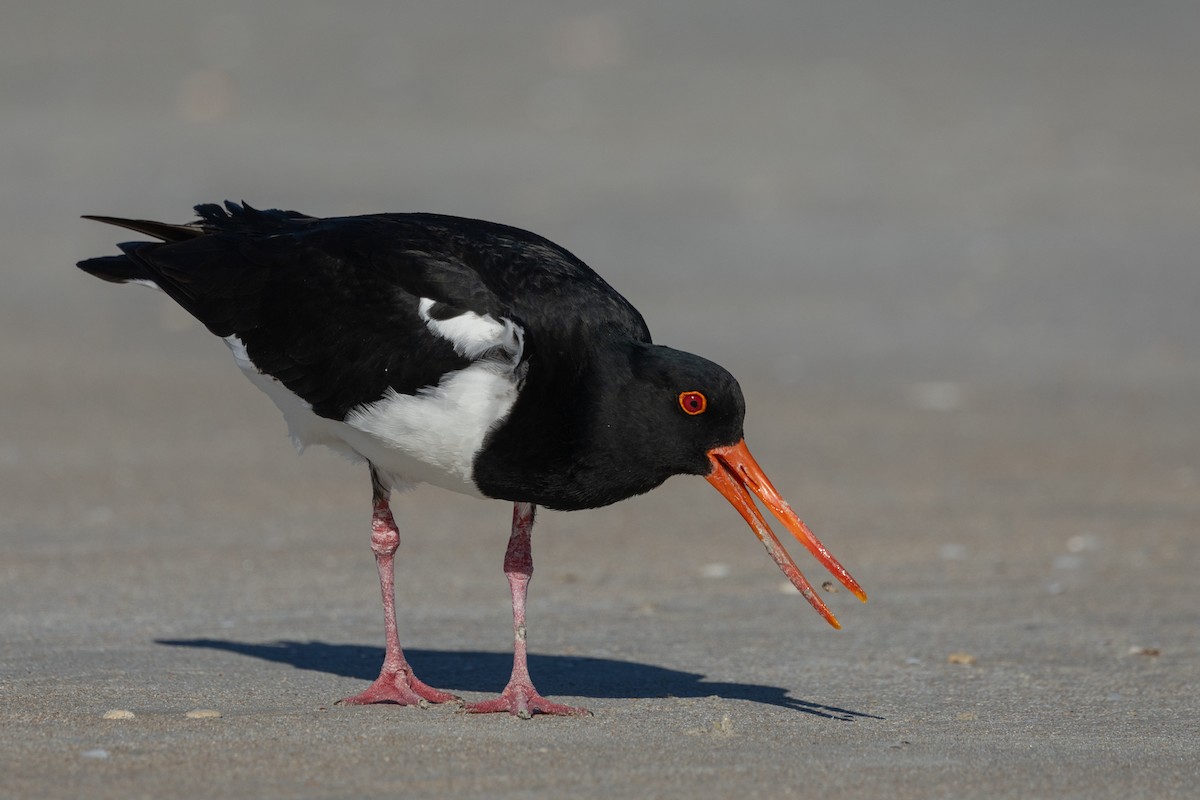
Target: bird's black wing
562	305
330	306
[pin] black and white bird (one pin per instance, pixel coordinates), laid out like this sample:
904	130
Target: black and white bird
466	354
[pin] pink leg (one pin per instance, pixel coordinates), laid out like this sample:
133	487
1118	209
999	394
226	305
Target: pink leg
519	697
396	682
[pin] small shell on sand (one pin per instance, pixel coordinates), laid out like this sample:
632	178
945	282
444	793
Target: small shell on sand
117	713
203	713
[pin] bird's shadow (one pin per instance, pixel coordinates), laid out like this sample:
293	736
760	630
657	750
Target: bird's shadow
485	672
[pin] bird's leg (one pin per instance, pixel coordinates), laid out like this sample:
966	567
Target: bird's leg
396	682
519	697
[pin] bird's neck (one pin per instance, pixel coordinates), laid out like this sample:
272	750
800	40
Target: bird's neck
561	446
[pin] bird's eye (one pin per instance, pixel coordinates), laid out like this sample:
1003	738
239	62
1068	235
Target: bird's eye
693	403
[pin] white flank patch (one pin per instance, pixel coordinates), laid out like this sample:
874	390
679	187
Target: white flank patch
433	436
428	437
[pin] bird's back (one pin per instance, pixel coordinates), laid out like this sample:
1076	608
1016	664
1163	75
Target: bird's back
331	307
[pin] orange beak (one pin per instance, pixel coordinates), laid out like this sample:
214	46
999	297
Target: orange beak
735	474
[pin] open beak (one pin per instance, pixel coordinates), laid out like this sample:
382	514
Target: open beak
736	474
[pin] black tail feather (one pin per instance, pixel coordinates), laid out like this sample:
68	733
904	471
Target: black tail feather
159	230
115	269
232	217
213	219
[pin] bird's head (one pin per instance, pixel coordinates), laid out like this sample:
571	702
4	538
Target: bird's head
629	416
690	413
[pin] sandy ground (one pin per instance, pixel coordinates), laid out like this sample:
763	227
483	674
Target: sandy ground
950	253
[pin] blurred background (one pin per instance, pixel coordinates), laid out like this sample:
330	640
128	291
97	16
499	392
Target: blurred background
906	191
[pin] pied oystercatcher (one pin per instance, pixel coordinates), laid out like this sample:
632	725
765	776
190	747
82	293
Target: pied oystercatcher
474	356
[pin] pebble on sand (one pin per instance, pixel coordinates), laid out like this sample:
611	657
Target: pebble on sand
203	713
118	713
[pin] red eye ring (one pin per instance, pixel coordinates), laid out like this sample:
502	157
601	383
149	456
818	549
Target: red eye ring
693	403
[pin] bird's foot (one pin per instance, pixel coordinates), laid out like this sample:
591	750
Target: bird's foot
522	700
402	688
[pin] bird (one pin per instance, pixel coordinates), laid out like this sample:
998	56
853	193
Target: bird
465	354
